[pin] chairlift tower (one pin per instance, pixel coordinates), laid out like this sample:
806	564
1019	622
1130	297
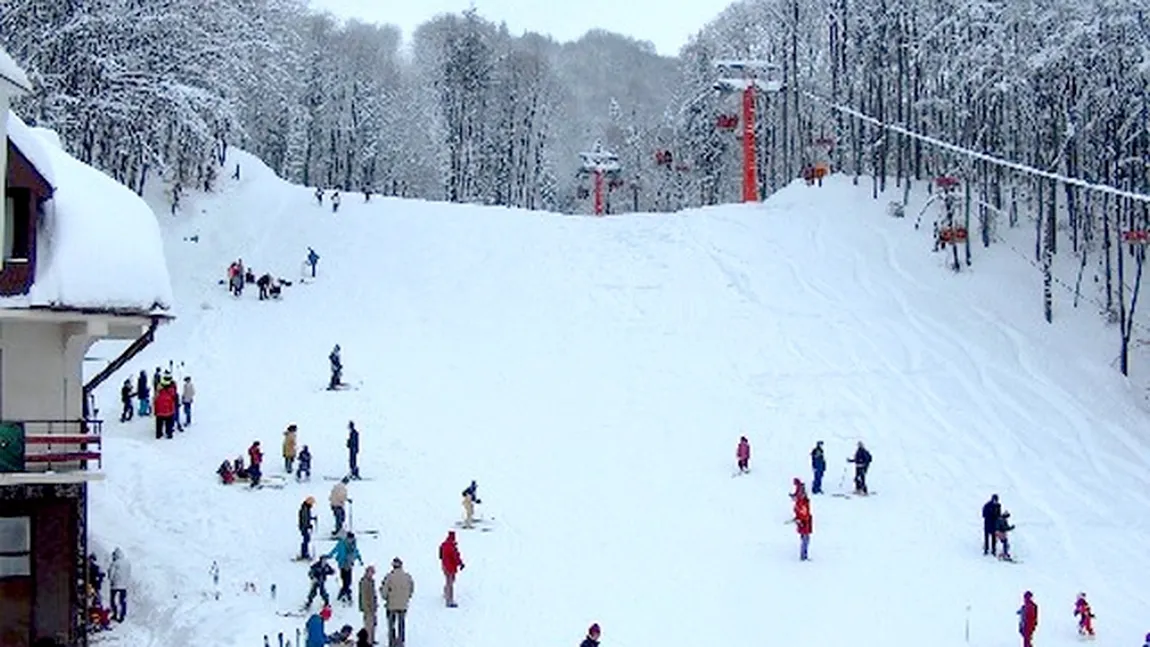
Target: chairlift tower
600	164
749	77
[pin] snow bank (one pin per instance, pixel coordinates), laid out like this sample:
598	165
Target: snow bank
99	245
10	71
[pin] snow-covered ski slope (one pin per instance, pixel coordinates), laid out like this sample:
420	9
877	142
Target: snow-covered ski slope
594	376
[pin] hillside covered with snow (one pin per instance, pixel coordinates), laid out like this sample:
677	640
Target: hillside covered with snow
594	375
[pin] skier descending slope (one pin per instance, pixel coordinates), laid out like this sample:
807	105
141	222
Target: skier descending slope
862	461
743	455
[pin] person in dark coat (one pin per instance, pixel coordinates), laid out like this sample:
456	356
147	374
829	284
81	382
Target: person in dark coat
312	259
819	466
352	450
336	368
126	394
318	573
305	523
592	639
1002	529
991	512
263	283
144	394
303	465
862	461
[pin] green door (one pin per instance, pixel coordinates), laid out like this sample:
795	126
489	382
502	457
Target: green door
11	447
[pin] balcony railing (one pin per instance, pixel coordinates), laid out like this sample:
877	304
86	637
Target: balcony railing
50	445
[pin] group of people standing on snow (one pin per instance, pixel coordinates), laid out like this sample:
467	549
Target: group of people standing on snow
269	287
166	405
1028	619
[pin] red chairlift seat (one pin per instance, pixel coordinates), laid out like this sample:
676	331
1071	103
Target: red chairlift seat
946	182
663	158
727	122
952	235
1136	237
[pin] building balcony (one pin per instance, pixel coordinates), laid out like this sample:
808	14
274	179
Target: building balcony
50	451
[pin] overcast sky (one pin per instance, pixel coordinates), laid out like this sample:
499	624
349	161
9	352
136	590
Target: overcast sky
666	23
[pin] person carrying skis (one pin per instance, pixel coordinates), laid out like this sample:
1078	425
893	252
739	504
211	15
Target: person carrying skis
397	589
1085	616
1002	527
862	461
126	394
338	500
304	464
306	522
819	467
336	369
346	554
991	511
368	602
804	523
318	573
452	563
592	639
255	460
289	451
1027	618
143	392
743	455
312	259
470	498
352	450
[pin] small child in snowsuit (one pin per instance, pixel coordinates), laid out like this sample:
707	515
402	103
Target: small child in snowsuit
1000	532
1085	616
743	455
303	469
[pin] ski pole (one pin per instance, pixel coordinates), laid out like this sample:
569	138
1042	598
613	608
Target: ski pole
968	623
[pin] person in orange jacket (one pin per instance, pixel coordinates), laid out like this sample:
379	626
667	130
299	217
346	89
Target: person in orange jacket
1085	616
452	563
804	524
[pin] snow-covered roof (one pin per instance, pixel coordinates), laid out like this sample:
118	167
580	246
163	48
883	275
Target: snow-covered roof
98	245
11	72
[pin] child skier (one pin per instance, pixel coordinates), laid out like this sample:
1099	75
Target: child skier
318	573
1085	616
470	498
743	455
303	471
1001	529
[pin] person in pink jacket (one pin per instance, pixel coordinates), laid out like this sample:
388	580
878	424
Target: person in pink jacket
743	455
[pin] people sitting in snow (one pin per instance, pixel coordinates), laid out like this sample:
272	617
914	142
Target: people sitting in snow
342	637
227	475
275	290
238	468
249	276
1001	529
470	498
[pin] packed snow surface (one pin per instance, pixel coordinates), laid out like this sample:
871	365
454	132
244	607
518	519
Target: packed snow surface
99	246
594	376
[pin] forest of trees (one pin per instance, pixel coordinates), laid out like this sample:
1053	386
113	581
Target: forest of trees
467	112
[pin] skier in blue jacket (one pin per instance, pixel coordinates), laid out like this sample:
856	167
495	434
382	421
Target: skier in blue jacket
346	554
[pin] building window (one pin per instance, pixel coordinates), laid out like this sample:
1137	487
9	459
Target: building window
16	232
15	547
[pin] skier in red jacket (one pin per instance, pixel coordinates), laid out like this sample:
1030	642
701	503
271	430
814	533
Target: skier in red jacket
804	524
452	563
743	455
1027	618
167	398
